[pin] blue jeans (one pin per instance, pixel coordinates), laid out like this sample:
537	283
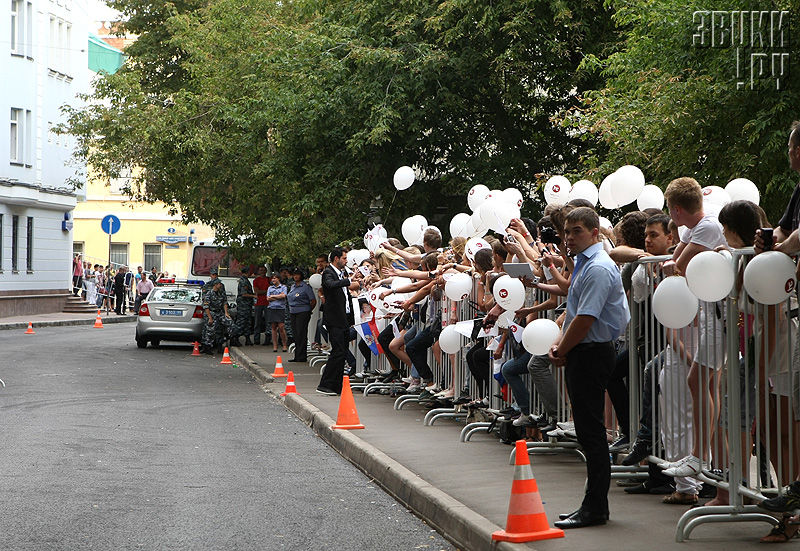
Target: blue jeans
512	371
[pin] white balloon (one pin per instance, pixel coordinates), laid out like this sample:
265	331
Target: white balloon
488	212
674	305
770	277
494	194
710	276
458	224
358	256
651	198
509	293
458	287
627	185
449	340
474	245
404	177
503	214
556	190
539	335
584	189
380	231
315	281
476	196
743	189
715	196
606	223
605	194
374	298
479	228
399	282
505	319
513	196
412	230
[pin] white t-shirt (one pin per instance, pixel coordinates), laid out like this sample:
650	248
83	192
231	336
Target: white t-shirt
707	233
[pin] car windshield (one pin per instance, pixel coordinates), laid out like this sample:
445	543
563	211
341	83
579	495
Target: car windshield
174	295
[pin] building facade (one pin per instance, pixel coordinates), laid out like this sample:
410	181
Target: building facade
43	60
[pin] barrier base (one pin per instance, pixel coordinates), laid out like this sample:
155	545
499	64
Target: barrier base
550	533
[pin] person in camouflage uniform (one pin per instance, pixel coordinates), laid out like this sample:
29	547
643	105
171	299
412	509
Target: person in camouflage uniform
245	300
217	320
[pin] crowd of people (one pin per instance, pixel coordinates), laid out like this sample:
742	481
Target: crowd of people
113	288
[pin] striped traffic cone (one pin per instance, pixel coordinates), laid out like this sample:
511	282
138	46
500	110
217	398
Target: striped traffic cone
526	520
290	386
30	330
98	321
196	350
279	372
226	358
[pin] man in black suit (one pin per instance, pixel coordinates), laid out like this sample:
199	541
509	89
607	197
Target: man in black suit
337	317
119	291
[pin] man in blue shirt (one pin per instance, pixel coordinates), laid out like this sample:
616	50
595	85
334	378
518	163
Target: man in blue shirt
597	314
302	301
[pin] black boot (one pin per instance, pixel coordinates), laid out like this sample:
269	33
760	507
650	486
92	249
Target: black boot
257	338
247	341
235	342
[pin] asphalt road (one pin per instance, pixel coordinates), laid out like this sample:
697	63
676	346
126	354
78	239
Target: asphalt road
106	446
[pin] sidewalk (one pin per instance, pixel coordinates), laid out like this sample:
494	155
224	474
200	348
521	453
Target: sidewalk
463	489
61	318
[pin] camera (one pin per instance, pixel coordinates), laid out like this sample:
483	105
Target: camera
548	235
766	236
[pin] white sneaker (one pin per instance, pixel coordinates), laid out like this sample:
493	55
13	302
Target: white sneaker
446	394
691	467
433	388
566	425
410	380
664	464
414	389
523	421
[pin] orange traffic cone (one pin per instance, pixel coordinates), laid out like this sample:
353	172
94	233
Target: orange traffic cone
278	368
527	520
98	322
290	388
347	418
196	351
30	330
226	358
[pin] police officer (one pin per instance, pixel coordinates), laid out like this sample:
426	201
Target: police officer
245	300
217	320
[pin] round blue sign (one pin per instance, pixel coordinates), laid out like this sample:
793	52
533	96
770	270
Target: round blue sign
110	224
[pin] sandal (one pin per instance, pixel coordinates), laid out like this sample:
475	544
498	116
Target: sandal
781	533
680	498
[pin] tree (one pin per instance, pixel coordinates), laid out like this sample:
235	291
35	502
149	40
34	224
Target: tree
279	123
673	107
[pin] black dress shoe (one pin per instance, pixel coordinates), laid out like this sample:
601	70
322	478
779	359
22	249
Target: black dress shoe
565	516
580	519
639	452
326	391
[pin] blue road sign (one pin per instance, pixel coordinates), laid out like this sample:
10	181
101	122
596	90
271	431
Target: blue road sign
110	224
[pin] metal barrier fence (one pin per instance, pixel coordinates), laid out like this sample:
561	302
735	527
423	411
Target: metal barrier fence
723	389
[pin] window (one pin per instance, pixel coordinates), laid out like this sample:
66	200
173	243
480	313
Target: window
119	254
117	185
20	133
17	26
66	48
14	242
206	257
152	257
16	137
29	246
77	248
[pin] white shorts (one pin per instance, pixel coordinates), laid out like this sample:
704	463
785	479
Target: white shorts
710	351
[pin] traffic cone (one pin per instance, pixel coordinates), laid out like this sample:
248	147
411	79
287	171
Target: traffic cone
226	358
98	322
278	369
526	520
347	418
30	330
196	351
290	387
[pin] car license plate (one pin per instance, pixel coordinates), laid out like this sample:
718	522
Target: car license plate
171	312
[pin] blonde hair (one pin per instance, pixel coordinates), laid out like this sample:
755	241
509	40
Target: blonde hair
384	258
458	244
685	193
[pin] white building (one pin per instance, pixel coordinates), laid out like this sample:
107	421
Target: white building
43	63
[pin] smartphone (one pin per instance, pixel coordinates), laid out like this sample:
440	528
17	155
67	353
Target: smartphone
511	239
766	236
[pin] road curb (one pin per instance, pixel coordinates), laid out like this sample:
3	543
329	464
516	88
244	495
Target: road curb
63	323
451	518
251	365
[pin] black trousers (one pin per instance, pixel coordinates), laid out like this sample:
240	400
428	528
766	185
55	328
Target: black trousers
588	368
300	332
121	298
384	338
479	362
334	370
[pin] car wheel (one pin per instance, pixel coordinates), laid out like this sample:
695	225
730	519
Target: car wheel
141	343
155	343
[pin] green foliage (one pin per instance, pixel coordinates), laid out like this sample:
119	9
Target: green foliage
674	108
279	122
